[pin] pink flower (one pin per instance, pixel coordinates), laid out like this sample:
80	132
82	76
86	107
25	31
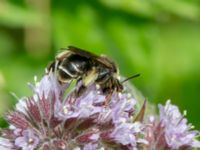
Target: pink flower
54	120
50	120
28	141
171	131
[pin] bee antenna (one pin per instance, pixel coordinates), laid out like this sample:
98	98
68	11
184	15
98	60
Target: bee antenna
131	77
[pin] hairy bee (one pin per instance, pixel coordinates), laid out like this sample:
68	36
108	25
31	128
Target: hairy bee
75	63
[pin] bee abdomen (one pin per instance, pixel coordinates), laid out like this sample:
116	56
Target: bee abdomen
73	67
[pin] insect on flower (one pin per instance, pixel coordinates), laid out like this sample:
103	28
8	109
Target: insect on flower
75	63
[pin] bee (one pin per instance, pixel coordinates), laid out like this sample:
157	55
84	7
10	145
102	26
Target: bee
78	64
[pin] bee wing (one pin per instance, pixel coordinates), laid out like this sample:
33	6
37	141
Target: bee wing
82	52
101	59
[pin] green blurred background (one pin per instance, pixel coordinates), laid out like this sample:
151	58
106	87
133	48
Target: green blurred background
158	38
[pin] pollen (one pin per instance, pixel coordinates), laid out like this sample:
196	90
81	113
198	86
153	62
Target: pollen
30	141
128	95
97	86
65	109
120	95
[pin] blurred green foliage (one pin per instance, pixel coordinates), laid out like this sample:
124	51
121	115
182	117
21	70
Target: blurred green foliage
157	38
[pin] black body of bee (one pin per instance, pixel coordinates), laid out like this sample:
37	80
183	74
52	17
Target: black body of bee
75	63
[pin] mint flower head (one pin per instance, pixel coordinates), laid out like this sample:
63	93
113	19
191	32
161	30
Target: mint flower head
170	130
53	119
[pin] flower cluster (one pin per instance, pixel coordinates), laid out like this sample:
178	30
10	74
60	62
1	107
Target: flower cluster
52	119
170	130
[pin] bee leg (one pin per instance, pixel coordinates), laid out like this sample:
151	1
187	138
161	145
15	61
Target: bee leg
107	86
90	77
107	90
108	99
86	80
52	66
80	90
